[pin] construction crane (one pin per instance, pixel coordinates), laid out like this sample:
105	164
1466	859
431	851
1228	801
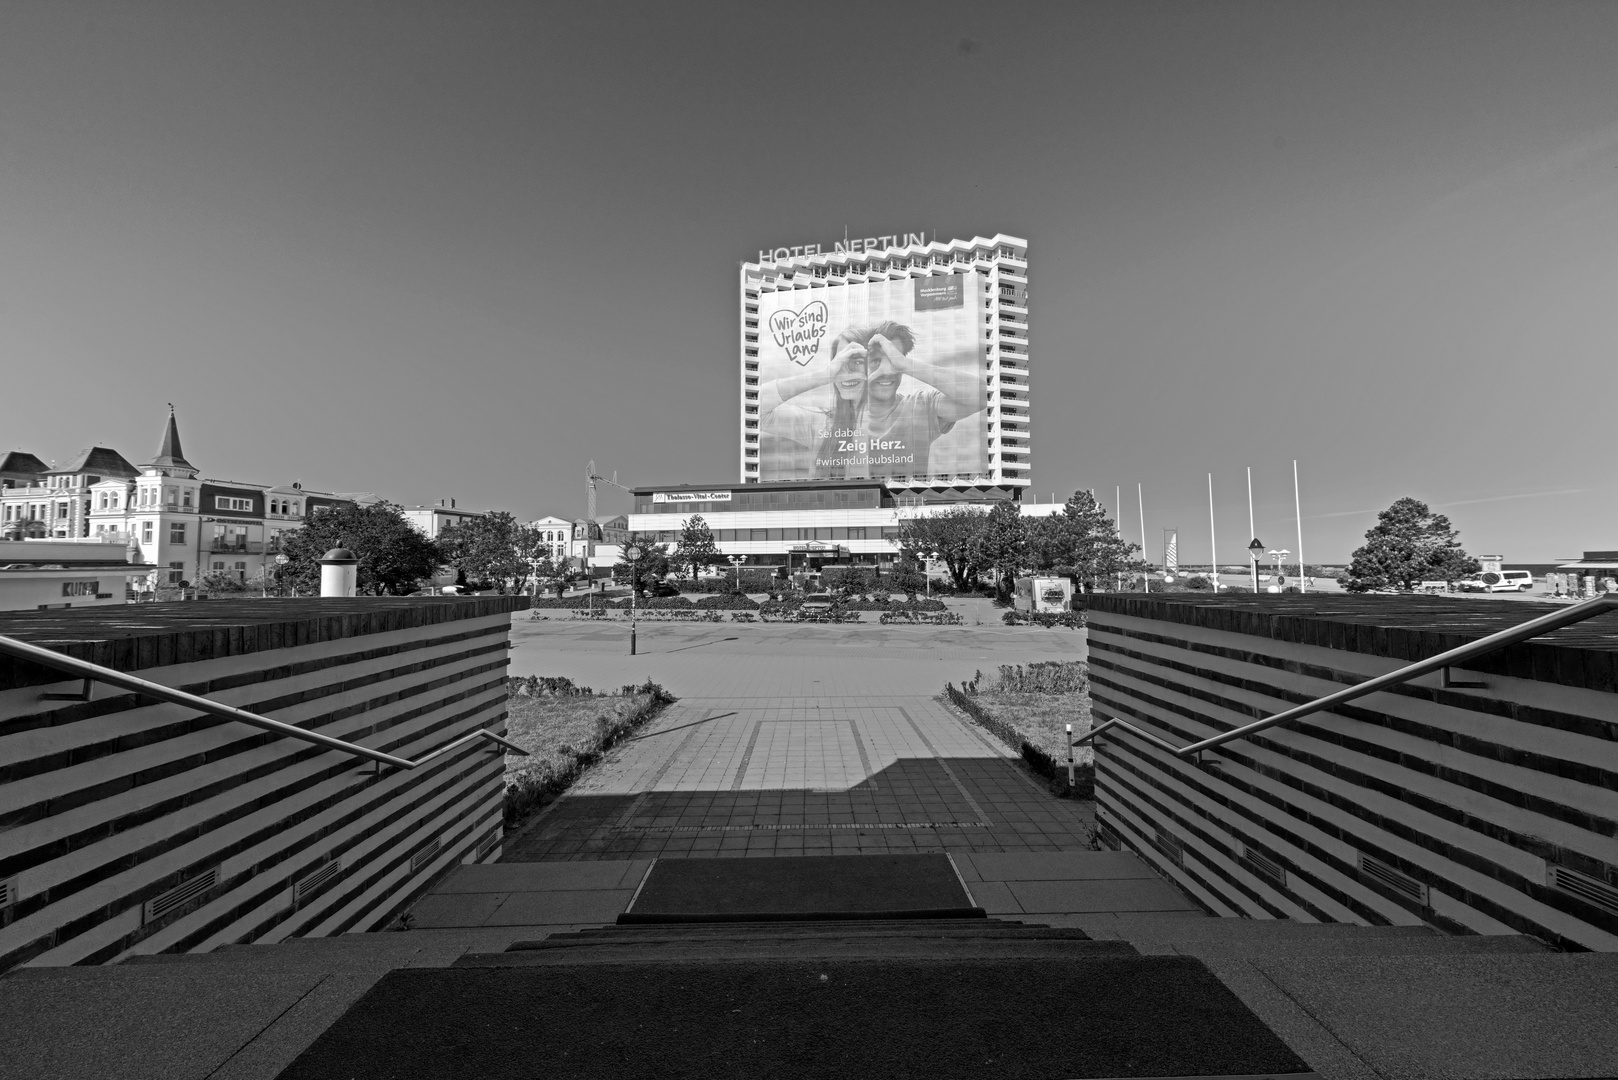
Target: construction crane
590	478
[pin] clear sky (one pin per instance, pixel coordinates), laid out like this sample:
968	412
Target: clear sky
460	249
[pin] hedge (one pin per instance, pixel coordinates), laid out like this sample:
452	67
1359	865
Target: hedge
1038	760
1073	620
921	618
522	797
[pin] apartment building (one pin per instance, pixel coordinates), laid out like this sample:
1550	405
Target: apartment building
184	524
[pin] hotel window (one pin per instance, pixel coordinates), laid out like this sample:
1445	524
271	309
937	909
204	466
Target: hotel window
61	510
187	497
146	532
175	570
176	533
856	532
226	502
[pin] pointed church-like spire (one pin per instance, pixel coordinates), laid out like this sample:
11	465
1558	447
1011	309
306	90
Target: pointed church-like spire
169	455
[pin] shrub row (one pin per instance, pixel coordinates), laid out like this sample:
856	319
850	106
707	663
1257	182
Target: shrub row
728	602
922	618
1038	760
525	793
1073	620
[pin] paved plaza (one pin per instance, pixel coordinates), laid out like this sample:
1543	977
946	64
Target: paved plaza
797	739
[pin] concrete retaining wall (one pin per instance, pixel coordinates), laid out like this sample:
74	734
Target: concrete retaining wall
128	826
1489	810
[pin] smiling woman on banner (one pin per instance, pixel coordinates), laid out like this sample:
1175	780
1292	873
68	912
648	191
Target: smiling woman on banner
811	423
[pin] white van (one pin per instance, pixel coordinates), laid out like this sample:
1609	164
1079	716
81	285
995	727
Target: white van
1499	581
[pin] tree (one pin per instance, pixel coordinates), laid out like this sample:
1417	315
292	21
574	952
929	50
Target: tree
1408	544
487	548
1083	540
393	554
539	563
697	548
1003	544
952	535
646	571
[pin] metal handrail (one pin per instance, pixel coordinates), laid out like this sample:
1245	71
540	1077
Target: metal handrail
1481	647
112	677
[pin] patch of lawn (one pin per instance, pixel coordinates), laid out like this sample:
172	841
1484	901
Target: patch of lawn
1029	709
565	734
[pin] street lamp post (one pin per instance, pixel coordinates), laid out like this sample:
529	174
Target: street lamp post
1276	555
1253	551
632	555
736	561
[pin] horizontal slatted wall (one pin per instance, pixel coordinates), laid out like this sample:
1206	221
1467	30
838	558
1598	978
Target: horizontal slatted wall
1488	810
128	826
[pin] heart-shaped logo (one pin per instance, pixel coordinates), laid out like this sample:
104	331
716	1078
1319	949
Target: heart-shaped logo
798	333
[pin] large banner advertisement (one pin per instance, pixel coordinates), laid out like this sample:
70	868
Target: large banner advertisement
875	380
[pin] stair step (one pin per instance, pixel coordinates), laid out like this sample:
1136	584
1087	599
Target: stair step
928	930
1345	946
855	948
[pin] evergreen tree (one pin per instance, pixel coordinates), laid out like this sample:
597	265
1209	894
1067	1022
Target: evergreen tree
648	570
696	548
1408	544
1003	544
1083	541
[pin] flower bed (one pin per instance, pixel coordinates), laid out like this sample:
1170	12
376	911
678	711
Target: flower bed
1029	710
566	730
728	602
1072	620
921	618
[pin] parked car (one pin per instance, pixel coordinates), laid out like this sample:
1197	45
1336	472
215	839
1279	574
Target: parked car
1501	581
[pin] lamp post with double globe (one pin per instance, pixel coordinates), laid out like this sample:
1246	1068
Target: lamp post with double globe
632	556
736	561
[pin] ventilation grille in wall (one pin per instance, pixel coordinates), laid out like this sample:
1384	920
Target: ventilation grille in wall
1592	891
8	893
425	855
488	843
313	883
1264	866
1380	875
179	896
1171	847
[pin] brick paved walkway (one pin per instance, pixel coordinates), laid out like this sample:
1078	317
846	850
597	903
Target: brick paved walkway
795	740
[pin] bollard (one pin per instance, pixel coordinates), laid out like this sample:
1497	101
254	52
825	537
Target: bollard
1070	756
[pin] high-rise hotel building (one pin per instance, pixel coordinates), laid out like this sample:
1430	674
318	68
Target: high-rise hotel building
879	383
994	274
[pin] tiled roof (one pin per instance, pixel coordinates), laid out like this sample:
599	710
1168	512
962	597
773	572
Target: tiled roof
20	461
99	460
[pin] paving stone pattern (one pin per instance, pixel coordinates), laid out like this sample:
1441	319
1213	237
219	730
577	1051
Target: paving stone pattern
791	740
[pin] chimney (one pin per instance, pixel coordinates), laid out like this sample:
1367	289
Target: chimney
452	504
440	502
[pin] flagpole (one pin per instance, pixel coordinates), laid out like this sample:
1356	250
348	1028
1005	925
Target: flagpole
1297	506
1146	577
1252	530
1213	544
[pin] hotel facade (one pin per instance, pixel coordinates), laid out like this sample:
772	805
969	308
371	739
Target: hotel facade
877	384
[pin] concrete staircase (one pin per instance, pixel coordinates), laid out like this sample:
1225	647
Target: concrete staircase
1351	1001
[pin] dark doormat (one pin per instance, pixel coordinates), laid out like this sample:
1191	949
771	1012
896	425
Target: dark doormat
801	887
1149	1016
